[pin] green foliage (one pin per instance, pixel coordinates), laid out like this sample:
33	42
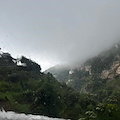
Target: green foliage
26	89
30	65
98	90
108	112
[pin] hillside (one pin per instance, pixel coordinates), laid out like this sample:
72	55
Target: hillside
24	88
98	77
60	72
105	66
89	92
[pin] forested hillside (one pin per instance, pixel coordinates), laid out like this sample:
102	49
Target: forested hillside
87	92
24	88
98	77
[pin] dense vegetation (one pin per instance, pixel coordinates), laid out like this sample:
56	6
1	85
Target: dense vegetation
24	88
99	78
84	95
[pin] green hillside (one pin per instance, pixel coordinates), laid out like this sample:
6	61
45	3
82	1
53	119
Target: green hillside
99	78
24	88
89	91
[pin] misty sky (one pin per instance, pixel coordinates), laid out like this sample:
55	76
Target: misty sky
58	31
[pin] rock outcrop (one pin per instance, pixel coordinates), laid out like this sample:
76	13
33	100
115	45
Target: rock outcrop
112	72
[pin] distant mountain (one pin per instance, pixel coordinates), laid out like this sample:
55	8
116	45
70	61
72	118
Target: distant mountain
94	75
106	65
98	77
60	72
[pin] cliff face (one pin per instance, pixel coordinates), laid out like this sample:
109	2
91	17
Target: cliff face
112	72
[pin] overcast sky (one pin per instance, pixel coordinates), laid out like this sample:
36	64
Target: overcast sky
58	31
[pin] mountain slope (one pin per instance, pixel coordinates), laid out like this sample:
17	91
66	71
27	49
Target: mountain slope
94	94
99	77
24	88
60	72
104	66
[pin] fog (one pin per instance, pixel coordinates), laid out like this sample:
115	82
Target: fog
58	31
